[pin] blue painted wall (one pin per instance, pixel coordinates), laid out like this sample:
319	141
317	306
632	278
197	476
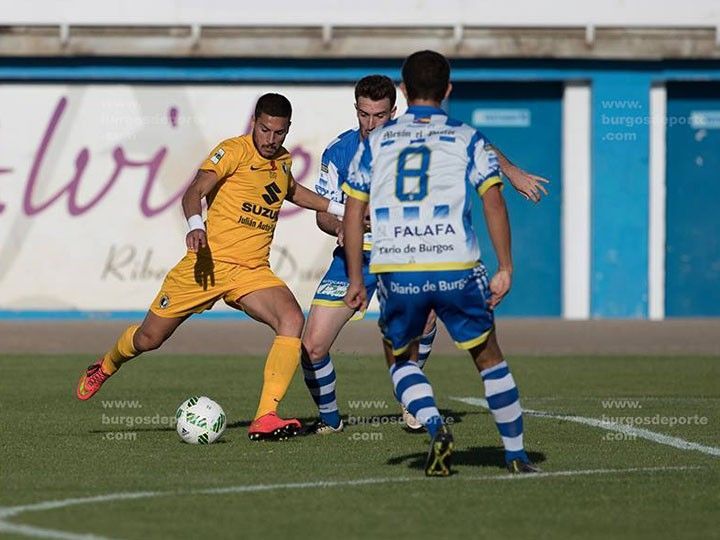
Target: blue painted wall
528	130
620	160
620	189
692	258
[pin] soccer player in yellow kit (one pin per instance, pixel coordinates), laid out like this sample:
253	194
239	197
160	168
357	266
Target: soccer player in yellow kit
244	180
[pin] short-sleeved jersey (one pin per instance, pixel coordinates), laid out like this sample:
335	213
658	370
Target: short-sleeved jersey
243	207
419	173
334	166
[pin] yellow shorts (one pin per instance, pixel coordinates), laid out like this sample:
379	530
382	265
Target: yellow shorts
195	284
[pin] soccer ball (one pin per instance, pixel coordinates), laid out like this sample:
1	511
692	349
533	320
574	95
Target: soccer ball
200	420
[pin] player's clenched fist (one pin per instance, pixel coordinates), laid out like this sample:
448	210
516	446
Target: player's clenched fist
499	287
196	240
356	296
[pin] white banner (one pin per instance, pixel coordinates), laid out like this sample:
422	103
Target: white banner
91	178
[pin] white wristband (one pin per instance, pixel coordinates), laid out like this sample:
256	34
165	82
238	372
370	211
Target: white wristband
336	208
196	222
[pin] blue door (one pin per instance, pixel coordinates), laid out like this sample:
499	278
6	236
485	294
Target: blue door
692	256
524	120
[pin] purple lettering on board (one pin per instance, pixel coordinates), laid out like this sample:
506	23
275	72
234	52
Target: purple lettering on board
32	207
2	204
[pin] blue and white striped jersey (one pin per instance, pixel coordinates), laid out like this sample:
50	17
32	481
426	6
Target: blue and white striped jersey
334	166
419	173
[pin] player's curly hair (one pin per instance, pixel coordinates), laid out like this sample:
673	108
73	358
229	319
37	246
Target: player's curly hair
273	105
426	75
376	87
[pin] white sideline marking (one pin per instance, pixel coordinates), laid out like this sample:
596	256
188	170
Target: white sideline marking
37	532
586	472
600	399
653	436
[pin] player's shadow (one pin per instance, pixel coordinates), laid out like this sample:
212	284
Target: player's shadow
475	456
370	420
133	428
204	268
246	423
238	424
146	430
379	420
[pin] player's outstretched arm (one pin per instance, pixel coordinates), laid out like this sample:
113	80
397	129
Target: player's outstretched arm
353	228
329	224
306	198
202	184
528	185
498	224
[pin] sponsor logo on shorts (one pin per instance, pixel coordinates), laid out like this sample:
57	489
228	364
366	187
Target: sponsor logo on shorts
429	286
164	301
336	289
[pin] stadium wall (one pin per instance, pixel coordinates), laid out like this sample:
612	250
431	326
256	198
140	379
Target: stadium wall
152	121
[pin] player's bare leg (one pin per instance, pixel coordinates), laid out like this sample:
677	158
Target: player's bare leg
388	351
427	339
135	340
154	331
504	402
278	308
487	354
323	326
321	330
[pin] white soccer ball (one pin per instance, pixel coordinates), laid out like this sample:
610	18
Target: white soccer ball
200	420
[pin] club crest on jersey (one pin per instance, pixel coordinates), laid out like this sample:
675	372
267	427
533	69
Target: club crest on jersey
217	156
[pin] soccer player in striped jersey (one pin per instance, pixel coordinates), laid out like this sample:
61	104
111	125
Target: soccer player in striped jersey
418	173
375	105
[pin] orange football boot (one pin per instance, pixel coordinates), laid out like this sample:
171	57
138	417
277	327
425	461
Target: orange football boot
271	427
91	381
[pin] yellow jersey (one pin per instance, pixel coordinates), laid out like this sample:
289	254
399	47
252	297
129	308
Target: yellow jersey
243	207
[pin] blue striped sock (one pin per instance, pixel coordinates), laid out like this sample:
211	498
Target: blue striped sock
504	402
416	394
320	380
426	343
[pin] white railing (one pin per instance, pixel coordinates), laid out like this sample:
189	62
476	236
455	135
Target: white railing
369	13
332	19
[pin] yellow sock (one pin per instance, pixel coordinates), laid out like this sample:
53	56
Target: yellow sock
280	366
121	352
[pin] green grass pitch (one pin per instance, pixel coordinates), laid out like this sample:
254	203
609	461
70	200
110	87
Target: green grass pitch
367	481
